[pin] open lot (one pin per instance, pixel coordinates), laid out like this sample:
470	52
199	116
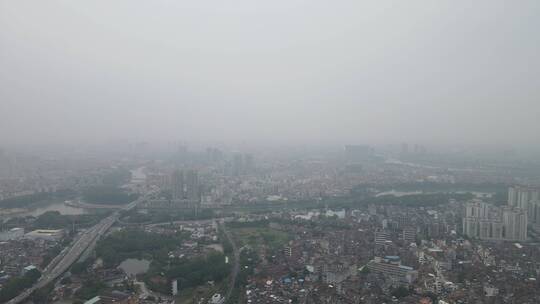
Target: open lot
257	236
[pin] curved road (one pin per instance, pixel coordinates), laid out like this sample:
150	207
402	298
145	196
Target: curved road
236	261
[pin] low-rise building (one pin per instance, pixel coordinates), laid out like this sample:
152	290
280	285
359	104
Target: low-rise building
11	234
390	266
45	234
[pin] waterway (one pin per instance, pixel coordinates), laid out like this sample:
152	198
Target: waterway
134	266
42	208
138	176
395	193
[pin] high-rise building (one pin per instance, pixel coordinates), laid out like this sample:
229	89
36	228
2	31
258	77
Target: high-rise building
533	214
238	166
488	222
177	185
405	148
192	191
477	209
214	155
512	196
249	163
520	196
528	199
185	186
514	224
482	221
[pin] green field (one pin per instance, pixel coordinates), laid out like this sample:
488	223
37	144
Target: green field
257	236
192	295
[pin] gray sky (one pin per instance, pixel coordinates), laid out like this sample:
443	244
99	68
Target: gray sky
456	72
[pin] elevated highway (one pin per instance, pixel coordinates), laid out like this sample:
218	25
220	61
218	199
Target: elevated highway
70	255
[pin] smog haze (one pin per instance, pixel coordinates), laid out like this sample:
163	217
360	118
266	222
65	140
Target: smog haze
289	72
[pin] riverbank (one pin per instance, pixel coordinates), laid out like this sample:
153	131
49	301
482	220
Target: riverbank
79	204
38	209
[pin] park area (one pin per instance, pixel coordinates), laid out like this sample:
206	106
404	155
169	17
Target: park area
255	237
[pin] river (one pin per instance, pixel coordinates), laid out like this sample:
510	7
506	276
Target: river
42	208
138	176
395	193
134	266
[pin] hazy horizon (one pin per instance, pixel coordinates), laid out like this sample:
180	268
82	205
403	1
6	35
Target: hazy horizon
287	72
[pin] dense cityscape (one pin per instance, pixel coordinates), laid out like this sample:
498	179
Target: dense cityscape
350	225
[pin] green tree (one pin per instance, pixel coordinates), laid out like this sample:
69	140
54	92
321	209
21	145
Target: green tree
16	285
401	292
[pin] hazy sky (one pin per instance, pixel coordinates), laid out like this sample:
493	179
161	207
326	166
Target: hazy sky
457	72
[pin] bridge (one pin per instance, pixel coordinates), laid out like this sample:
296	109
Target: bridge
70	255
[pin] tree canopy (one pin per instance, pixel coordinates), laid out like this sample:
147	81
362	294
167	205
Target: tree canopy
16	285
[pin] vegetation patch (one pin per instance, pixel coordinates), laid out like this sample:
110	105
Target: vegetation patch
189	273
16	285
258	236
136	243
110	195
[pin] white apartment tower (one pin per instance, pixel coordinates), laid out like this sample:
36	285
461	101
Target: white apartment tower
515	224
528	199
488	222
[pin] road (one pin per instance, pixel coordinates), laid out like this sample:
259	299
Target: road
236	261
191	222
70	255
